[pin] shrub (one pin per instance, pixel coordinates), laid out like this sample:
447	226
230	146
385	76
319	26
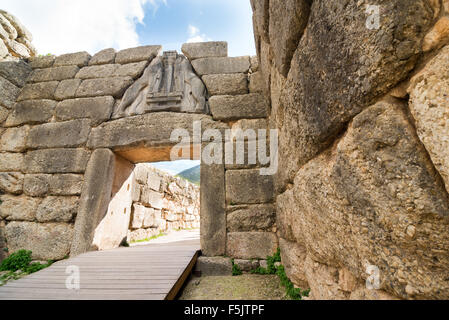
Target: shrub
236	271
16	261
21	260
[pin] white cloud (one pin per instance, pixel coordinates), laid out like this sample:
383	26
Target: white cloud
195	35
82	25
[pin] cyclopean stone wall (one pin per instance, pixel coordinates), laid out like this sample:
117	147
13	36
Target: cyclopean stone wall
364	139
15	39
162	203
72	137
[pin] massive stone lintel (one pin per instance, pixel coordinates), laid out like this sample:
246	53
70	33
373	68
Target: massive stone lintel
168	84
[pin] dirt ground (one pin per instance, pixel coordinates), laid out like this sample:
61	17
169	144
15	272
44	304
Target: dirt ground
244	287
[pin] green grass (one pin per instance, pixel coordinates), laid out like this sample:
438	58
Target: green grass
292	292
161	234
236	271
19	264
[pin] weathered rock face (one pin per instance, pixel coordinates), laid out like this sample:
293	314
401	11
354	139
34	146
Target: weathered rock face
46	241
374	196
362	183
340	67
429	92
15	39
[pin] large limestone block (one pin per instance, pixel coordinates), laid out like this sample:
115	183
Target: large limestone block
100	71
256	82
222	65
8	27
293	257
115	87
323	280
149	219
37	91
266	63
31	112
251	218
138	54
338	71
106	56
146	130
56	161
36	185
438	36
152	198
138	216
9	93
53	74
374	199
112	228
21	208
16	72
133	70
59	134
205	49
428	104
10	162
288	19
57	209
154	181
213	211
261	16
94	201
67	89
11	182
65	184
246	106
41	62
141	174
3	49
97	109
3	114
49	241
14	139
79	59
226	84
21	30
213	266
18	50
251	245
254	64
248	187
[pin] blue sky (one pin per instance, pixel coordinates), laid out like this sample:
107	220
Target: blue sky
63	26
171	24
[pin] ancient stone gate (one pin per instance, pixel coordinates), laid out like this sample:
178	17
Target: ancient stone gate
74	126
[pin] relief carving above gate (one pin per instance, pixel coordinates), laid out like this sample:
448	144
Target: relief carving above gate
168	84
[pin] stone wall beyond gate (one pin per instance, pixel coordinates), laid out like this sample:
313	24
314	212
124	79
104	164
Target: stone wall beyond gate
71	136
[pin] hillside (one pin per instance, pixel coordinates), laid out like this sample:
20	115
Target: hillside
192	175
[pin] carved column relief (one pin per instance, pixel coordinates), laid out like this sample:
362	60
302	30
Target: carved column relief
168	84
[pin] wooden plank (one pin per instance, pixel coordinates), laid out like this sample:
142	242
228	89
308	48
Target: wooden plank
171	295
148	272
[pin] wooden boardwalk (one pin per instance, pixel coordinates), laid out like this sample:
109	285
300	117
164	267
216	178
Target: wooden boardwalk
148	272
